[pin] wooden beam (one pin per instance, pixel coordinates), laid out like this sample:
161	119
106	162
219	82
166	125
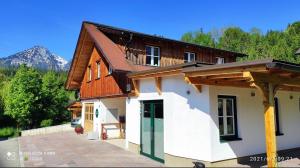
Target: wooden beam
157	74
187	80
226	71
201	81
270	128
158	85
198	88
268	90
136	85
225	76
272	78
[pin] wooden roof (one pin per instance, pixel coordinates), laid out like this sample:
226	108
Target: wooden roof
285	75
238	74
90	37
116	30
76	105
168	70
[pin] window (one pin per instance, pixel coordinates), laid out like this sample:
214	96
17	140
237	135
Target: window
189	57
277	123
110	70
227	118
98	69
89	71
220	60
89	112
152	56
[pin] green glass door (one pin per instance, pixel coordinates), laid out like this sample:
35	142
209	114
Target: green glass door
152	129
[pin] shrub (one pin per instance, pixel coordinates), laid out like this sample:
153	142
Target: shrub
7	132
46	123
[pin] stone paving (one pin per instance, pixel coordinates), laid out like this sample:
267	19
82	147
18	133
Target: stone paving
71	150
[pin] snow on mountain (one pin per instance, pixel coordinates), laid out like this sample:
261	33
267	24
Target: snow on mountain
38	57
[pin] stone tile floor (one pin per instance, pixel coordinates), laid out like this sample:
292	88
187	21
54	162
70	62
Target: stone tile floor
71	150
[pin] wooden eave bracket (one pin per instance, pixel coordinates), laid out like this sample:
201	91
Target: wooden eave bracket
158	85
198	87
136	87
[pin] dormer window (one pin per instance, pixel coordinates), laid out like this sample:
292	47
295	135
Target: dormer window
220	60
189	57
152	56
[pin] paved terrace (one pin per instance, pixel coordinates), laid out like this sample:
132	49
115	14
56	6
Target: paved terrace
71	150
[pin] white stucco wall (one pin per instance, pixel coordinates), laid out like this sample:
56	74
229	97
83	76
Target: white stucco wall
191	122
186	117
251	123
103	106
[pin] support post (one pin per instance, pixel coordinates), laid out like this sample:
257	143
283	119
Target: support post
270	127
268	88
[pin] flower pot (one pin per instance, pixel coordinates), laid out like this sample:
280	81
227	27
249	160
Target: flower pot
79	130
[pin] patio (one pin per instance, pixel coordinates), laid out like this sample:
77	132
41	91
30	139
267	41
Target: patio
70	150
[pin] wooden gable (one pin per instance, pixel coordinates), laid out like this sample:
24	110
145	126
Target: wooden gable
108	85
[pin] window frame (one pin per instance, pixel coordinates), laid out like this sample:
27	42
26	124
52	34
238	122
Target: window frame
189	57
98	69
234	136
222	58
89	73
152	56
89	112
277	122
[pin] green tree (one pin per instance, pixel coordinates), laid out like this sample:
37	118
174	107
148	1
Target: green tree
199	37
55	97
23	98
279	45
234	39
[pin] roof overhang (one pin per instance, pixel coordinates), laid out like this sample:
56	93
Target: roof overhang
89	38
284	75
74	106
116	30
164	71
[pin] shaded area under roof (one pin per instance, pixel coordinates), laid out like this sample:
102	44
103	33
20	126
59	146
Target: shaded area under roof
270	63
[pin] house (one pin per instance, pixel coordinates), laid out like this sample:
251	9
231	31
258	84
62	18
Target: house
103	57
75	108
177	102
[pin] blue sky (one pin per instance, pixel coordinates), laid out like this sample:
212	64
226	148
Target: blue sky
55	24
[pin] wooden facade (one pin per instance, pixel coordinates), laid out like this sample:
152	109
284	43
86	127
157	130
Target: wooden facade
107	85
125	51
171	53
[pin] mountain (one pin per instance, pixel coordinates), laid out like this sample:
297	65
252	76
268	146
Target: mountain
38	57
